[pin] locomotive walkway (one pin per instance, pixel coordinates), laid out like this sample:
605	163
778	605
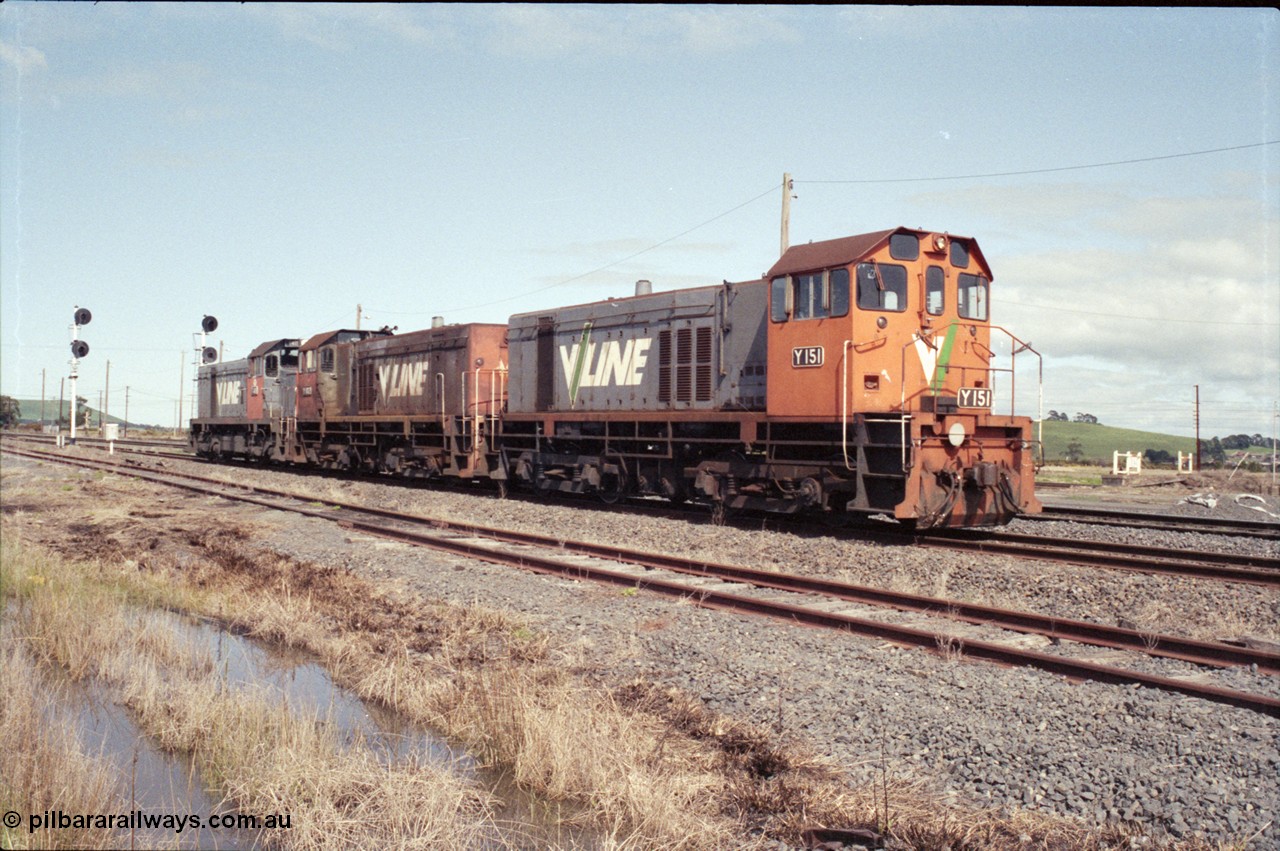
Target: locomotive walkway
797	599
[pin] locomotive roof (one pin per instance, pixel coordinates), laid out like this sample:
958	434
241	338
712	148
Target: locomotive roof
840	252
272	345
342	335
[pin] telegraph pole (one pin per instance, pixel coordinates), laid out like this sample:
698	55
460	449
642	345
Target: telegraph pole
182	384
106	409
787	184
359	311
126	410
42	399
1198	466
1275	418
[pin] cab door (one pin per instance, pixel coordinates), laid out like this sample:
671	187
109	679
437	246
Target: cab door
809	325
253	405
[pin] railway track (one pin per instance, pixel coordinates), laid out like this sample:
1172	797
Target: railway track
797	599
1197	564
1145	520
1228	567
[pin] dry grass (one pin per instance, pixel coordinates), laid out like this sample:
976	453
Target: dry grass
265	758
45	766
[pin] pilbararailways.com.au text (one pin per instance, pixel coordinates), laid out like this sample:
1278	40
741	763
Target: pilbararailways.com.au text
142	820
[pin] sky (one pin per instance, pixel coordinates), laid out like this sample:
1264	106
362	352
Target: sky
282	166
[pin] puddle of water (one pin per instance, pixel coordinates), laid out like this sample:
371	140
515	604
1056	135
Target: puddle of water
524	820
165	783
149	779
304	684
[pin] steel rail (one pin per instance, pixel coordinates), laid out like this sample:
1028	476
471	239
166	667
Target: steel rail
1254	570
905	636
901	635
1100	554
1146	520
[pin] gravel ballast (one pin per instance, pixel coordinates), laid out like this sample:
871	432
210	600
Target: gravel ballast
981	735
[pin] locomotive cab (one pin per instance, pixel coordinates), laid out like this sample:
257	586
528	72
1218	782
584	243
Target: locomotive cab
325	375
886	337
273	368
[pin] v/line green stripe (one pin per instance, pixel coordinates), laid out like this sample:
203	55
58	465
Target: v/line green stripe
578	364
944	358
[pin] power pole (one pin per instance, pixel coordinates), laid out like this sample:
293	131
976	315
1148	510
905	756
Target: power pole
42	399
1198	466
787	184
182	385
62	396
105	412
126	410
1275	418
359	310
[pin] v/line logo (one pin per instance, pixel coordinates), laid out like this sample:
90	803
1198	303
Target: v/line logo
228	391
618	363
399	380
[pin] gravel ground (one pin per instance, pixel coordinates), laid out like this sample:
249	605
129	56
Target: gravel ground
980	734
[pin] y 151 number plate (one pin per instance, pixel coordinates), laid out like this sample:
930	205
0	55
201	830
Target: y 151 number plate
974	397
806	356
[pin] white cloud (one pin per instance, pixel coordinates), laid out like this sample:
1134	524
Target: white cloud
554	31
1141	298
24	59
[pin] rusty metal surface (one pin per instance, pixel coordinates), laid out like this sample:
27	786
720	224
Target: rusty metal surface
826	253
454	370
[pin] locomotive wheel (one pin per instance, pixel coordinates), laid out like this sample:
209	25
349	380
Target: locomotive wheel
835	518
720	513
613	486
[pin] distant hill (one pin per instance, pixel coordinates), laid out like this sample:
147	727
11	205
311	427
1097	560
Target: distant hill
30	409
1098	441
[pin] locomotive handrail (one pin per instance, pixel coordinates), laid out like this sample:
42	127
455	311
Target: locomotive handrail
844	403
1016	347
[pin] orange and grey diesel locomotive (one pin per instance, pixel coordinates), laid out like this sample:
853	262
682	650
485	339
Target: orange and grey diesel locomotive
856	376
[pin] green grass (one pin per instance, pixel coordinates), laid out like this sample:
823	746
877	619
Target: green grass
1098	441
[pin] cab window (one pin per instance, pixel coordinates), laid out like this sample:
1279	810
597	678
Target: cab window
839	292
810	297
273	366
882	286
959	254
778	299
326	359
814	295
904	246
971	297
935	281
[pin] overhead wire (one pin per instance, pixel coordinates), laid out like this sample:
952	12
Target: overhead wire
1049	170
598	269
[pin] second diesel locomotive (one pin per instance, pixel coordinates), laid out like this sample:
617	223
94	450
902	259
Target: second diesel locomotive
856	376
